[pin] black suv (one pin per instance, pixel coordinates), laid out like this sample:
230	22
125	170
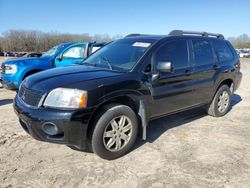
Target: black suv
104	103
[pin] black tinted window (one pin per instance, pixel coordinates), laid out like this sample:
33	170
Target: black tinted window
222	50
175	52
203	53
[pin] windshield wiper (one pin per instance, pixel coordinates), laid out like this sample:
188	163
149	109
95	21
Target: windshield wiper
108	62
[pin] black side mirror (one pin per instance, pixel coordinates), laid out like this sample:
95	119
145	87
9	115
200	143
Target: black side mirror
164	67
60	57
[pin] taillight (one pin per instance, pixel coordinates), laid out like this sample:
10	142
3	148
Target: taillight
237	66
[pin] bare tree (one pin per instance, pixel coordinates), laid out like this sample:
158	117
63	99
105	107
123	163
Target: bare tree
242	41
23	40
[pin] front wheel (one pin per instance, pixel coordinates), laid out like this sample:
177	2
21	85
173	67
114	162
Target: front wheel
221	102
115	132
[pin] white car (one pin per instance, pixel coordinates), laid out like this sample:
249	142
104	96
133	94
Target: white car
244	54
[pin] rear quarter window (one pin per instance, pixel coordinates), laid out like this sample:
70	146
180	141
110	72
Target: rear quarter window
222	50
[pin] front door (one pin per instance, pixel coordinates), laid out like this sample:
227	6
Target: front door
73	54
172	91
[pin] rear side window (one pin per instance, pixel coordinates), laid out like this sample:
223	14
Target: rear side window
222	50
203	53
174	52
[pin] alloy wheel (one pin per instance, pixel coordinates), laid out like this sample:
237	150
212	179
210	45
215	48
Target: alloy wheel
223	101
117	133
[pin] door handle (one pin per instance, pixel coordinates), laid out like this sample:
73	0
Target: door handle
188	72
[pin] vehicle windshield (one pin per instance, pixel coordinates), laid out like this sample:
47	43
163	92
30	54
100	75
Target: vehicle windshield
52	51
119	55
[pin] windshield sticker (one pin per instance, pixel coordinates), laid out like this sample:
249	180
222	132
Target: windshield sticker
142	44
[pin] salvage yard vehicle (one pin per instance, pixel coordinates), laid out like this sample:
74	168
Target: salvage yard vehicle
32	54
243	53
14	71
103	104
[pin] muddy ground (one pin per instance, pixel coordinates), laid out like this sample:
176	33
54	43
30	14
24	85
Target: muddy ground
189	149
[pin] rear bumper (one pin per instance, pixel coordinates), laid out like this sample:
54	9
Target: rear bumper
237	81
72	125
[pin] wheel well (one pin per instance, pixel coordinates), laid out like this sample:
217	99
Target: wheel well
30	73
124	100
227	82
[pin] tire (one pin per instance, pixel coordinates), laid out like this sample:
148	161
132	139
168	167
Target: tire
216	108
74	148
86	150
116	124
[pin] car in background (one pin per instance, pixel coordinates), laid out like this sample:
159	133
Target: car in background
8	54
245	54
32	54
14	71
248	55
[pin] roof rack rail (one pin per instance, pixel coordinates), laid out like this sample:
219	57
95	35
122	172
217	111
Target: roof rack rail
134	35
204	34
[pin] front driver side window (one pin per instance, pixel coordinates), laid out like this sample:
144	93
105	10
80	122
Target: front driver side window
175	52
74	52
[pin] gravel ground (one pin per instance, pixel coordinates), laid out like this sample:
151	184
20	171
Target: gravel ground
189	149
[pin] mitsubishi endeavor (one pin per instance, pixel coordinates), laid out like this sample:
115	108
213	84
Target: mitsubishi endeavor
106	101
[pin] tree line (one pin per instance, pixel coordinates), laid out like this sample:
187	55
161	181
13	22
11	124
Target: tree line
27	41
242	41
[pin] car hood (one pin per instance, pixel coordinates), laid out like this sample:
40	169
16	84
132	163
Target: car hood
27	61
67	77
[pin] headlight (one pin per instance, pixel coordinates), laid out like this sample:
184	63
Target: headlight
10	69
66	98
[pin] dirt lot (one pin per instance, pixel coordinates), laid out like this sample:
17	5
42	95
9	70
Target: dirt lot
189	149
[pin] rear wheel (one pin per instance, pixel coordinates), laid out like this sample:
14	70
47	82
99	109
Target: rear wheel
115	132
221	102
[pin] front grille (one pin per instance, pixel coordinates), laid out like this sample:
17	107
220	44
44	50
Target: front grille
30	97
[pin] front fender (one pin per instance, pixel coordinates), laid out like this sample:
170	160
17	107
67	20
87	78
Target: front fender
133	94
28	71
138	100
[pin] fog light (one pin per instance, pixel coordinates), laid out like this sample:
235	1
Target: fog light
51	129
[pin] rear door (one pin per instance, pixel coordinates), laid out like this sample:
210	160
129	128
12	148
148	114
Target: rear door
172	91
73	54
205	67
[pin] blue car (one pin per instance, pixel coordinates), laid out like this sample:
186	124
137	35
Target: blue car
14	71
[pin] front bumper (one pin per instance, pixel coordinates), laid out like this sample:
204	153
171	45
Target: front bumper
72	124
9	85
4	80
